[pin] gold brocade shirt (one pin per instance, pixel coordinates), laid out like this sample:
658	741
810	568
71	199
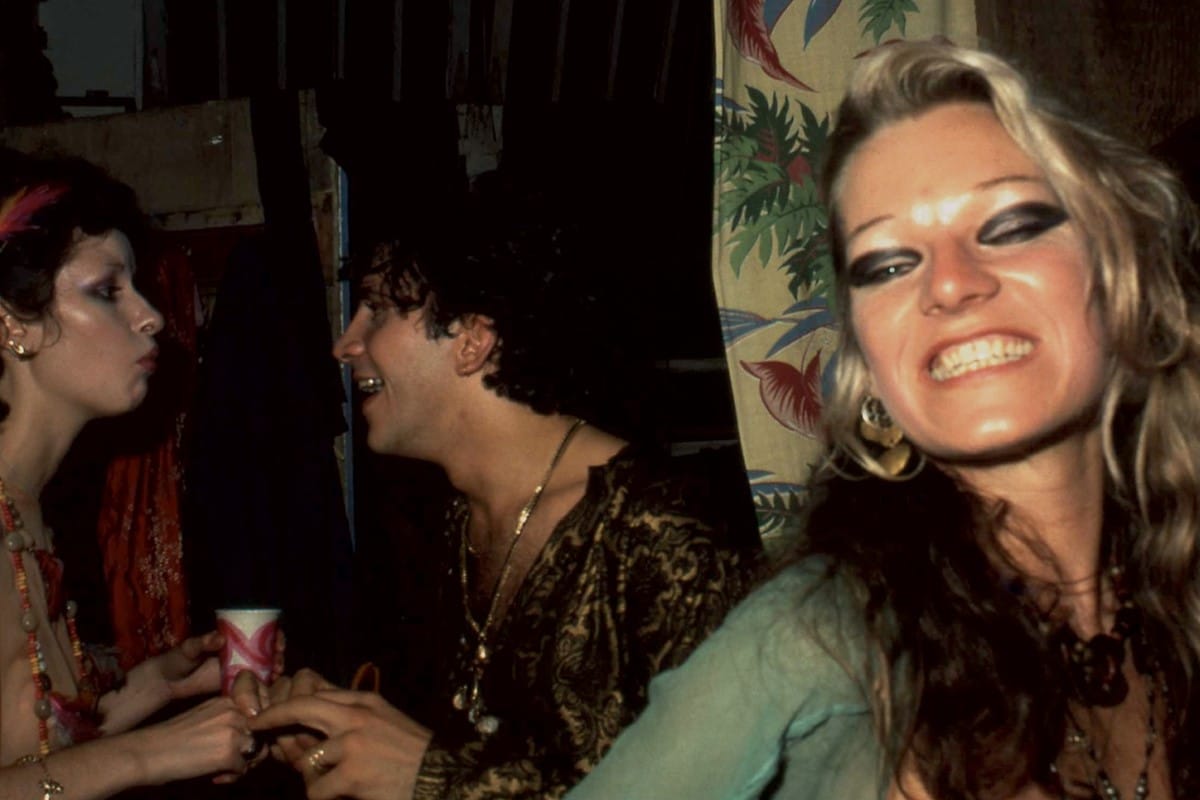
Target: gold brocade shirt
631	580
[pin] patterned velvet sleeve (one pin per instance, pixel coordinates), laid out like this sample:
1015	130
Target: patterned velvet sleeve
468	772
683	579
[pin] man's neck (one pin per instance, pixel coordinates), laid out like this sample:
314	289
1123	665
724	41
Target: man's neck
499	464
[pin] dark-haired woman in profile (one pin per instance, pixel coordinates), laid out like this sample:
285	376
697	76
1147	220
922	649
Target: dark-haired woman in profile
997	595
77	343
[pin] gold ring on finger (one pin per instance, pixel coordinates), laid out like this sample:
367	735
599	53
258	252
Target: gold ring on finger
316	761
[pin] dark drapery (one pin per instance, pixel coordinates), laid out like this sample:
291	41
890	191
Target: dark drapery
265	513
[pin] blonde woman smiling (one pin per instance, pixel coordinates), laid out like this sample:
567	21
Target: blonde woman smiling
997	593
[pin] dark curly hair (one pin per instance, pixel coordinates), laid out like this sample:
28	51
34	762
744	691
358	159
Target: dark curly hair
509	255
86	202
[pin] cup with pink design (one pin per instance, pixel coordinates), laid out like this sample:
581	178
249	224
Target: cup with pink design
249	642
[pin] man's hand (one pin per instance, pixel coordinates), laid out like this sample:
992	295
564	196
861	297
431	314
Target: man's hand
370	750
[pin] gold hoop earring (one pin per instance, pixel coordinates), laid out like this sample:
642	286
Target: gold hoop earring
877	426
17	349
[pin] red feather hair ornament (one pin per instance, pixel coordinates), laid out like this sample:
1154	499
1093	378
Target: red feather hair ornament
17	211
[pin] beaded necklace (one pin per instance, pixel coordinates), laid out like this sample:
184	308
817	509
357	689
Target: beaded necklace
1101	781
1096	669
1095	665
469	698
17	545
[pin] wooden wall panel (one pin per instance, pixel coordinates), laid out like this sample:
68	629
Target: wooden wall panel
191	166
1133	65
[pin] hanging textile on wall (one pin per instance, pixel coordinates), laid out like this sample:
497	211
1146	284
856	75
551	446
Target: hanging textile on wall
266	519
139	525
781	68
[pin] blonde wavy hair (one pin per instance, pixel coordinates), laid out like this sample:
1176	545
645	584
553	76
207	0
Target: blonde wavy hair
1141	232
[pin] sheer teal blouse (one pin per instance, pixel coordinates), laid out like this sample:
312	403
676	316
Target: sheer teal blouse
774	704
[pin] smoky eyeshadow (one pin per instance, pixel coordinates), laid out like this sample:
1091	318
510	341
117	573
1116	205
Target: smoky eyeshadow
872	267
1021	222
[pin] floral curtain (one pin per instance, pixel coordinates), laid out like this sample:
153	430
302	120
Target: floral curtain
781	67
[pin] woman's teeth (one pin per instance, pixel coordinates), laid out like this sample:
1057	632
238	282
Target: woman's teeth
370	385
976	355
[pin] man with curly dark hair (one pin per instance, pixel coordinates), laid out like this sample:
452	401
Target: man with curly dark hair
532	273
577	565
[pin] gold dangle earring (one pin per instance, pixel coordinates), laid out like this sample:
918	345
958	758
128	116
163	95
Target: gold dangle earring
877	426
17	349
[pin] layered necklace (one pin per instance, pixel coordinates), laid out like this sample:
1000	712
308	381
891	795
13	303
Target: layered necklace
17	542
1096	670
469	697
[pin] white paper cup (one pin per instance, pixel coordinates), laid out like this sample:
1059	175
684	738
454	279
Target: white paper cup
249	642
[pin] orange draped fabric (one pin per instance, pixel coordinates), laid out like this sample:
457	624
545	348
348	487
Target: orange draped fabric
139	526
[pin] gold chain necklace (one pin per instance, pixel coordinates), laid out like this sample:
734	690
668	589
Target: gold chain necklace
469	698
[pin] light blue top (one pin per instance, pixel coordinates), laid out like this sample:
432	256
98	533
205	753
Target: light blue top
773	705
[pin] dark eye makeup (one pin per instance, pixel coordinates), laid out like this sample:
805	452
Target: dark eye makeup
878	266
1014	225
106	289
1020	223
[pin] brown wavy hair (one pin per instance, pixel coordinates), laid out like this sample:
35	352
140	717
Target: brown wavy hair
87	202
978	697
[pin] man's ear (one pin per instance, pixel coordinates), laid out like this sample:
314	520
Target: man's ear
474	343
